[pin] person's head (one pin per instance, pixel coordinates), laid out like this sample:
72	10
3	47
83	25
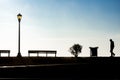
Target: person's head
110	39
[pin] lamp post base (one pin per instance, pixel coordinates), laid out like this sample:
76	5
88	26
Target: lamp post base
19	55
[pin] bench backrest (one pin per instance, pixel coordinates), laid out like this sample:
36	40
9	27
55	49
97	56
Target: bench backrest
4	51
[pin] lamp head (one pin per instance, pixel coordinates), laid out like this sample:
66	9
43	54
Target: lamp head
19	16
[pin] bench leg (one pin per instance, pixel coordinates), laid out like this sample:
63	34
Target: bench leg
28	54
8	54
37	54
55	55
46	54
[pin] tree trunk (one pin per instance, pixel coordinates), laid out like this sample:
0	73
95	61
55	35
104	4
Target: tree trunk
76	55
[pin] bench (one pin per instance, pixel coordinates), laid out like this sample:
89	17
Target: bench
41	51
5	51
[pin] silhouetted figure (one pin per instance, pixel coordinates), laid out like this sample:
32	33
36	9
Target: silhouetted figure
112	47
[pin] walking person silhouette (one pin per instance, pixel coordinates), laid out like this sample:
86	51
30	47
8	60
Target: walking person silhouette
112	47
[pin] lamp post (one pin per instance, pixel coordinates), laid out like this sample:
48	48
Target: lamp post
19	16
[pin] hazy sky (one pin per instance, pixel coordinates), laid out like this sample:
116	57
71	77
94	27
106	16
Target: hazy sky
58	24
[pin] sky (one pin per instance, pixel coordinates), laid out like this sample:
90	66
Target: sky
59	24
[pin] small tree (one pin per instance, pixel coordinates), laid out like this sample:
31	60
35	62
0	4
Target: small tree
75	49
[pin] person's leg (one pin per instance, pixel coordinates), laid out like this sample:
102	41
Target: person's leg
111	52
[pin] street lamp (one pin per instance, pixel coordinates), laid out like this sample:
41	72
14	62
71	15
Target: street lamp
19	16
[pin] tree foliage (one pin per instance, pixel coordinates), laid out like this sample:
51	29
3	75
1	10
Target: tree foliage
75	49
